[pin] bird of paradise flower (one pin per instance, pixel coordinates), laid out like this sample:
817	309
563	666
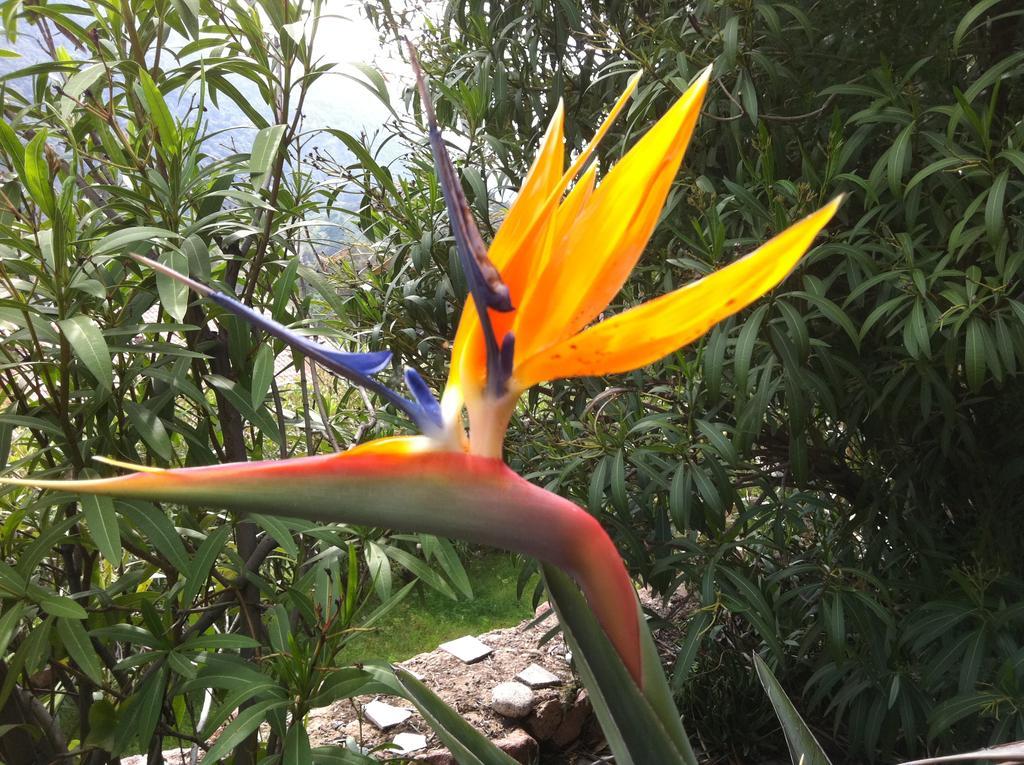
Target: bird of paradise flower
558	259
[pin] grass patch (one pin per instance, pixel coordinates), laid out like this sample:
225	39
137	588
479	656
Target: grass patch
427	618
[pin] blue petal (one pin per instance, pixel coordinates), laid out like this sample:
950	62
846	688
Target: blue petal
357	367
423	396
367	363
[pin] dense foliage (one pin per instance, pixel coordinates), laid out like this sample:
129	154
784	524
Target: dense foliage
121	623
833	475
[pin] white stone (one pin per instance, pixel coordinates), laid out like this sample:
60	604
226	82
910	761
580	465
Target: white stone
466	649
536	676
385	716
512	700
410	742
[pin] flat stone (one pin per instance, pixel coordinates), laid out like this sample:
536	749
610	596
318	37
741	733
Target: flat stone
410	742
385	716
512	700
536	676
467	649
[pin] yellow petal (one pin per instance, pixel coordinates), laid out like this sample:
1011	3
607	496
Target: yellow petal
396	445
619	105
654	329
540	183
590	263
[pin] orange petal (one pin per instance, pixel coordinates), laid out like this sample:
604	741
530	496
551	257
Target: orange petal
591	262
469	358
654	329
523	240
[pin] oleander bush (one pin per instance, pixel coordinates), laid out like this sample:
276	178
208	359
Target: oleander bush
125	627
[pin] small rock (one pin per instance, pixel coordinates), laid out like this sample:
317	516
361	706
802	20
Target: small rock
410	742
520	746
573	721
545	719
385	716
466	649
512	700
536	676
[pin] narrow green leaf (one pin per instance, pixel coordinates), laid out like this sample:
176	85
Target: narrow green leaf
188	12
342	683
974	355
380	570
218	642
229	672
80	649
279	531
139	720
9	619
443	550
283	288
687	655
745	347
76	85
149	426
994	217
248	720
90	347
119	240
420	569
157	529
264	151
101	521
199	568
296	746
13	147
279	628
899	158
128	633
11	581
262	374
804	748
257	415
173	294
969	19
37	173
198	256
339	755
58	605
950	712
167	131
